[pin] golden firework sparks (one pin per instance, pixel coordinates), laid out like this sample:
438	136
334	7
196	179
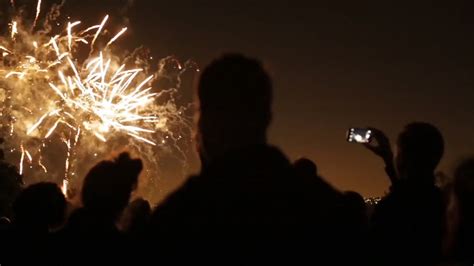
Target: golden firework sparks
98	30
40	162
38	10
55	94
22	158
102	94
64	187
116	36
14	29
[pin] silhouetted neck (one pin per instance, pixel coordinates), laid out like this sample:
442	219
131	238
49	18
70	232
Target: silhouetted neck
419	179
93	216
248	156
217	152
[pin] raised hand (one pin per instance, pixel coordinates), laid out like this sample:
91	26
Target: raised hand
380	145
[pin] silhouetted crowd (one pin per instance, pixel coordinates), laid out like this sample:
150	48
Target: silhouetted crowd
249	204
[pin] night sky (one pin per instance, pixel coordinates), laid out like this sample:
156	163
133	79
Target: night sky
334	64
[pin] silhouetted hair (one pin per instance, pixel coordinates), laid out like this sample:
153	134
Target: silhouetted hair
421	145
305	166
42	204
108	185
237	89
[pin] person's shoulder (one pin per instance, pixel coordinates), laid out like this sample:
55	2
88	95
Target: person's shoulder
192	183
387	205
405	196
182	194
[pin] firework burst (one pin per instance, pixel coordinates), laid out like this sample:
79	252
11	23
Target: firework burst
48	92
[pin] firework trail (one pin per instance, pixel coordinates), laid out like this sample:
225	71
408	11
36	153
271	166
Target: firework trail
38	10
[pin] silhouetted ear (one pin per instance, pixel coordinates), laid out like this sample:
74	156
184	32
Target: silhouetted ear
125	162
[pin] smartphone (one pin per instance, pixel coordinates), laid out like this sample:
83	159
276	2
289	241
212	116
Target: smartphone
359	135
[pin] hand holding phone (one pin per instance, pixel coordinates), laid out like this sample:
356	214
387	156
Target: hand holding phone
380	144
377	142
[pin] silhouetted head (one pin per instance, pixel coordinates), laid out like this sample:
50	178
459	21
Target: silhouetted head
10	186
420	147
136	215
464	185
140	207
41	206
355	200
235	96
356	208
306	167
108	185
